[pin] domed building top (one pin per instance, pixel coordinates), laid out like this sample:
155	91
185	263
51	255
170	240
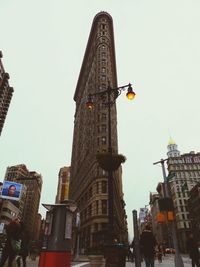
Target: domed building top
171	141
172	149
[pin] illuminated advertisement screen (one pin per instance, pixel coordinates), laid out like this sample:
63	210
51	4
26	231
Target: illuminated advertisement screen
11	190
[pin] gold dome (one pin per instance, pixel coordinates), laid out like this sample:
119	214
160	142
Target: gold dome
171	142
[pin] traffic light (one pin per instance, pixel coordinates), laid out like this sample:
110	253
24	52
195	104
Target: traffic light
165	204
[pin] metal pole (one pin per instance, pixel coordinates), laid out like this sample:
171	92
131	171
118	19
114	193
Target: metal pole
177	257
78	234
108	92
136	240
77	250
110	172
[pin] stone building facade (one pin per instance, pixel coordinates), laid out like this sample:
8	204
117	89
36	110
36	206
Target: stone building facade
186	174
89	183
194	210
33	182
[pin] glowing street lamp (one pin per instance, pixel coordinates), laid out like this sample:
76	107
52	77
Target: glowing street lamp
111	94
130	94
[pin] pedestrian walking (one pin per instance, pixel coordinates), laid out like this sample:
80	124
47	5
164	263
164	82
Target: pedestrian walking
24	251
130	254
164	249
192	247
13	242
147	246
159	253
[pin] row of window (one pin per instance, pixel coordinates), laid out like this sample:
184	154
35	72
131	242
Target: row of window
180	208
99	207
186	167
97	188
12	213
188	174
101	128
182	225
178	194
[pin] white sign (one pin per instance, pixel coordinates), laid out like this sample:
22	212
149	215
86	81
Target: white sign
2	227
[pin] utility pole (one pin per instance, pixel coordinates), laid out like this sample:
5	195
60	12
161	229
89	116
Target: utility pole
177	257
136	244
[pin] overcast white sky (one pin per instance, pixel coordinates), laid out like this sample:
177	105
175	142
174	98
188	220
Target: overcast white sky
157	49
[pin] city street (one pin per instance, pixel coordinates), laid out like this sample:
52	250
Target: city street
168	261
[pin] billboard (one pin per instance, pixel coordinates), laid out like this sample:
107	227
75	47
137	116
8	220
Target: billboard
11	190
142	214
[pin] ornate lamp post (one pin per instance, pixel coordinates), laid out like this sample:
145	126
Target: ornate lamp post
110	161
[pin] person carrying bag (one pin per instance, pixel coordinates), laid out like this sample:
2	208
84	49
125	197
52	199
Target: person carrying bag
13	242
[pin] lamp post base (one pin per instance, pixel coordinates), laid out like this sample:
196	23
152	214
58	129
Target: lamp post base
115	256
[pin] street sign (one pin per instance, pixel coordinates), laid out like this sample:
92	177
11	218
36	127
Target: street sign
170	176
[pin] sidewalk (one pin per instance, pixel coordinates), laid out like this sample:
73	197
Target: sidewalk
168	261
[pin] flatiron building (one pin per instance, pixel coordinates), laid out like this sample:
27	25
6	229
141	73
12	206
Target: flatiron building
88	182
6	93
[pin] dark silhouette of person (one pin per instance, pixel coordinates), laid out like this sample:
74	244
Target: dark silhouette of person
13	231
164	249
24	251
192	247
133	250
11	190
159	253
147	246
129	254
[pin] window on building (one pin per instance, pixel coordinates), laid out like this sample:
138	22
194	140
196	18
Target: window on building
90	210
104	226
104	187
103	140
84	215
103	61
97	207
104	206
103	116
182	208
96	227
97	187
103	128
86	196
103	77
90	192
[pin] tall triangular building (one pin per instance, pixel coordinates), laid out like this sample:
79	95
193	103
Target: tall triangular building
6	93
89	183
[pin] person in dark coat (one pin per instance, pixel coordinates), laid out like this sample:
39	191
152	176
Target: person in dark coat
13	231
147	246
192	247
24	251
